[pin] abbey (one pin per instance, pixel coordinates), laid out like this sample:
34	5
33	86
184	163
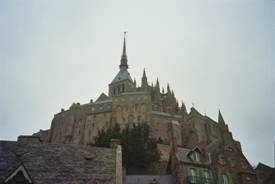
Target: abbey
126	104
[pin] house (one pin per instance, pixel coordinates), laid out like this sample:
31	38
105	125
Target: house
192	165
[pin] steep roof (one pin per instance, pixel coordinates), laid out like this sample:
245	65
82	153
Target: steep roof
122	75
102	97
58	163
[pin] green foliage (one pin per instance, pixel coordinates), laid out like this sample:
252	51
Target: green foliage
103	138
139	150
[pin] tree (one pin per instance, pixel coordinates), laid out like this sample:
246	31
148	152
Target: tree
139	150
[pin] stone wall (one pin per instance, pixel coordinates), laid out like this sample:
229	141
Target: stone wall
80	124
164	126
228	159
131	108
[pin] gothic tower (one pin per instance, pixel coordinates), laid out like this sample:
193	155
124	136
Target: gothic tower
122	81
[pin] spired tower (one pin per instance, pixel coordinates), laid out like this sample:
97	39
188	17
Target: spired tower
128	103
122	81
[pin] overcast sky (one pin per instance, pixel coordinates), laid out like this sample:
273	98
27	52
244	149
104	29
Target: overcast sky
217	54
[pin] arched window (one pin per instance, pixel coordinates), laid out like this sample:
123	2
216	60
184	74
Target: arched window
123	88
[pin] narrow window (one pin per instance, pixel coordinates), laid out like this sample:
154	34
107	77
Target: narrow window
207	177
197	156
192	177
224	179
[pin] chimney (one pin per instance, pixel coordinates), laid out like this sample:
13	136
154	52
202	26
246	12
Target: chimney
114	143
28	139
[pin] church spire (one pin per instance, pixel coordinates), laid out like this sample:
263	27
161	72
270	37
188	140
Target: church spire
123	61
124	45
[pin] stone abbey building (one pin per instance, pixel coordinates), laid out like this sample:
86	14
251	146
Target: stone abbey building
126	103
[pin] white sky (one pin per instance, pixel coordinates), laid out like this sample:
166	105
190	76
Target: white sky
214	53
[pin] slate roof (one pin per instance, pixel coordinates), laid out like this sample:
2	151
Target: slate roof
146	179
122	75
56	163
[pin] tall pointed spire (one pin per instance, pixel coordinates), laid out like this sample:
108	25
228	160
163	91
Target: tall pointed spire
123	61
124	45
220	119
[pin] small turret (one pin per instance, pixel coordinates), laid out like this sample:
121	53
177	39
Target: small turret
173	93
157	84
144	82
168	89
183	107
220	119
177	106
